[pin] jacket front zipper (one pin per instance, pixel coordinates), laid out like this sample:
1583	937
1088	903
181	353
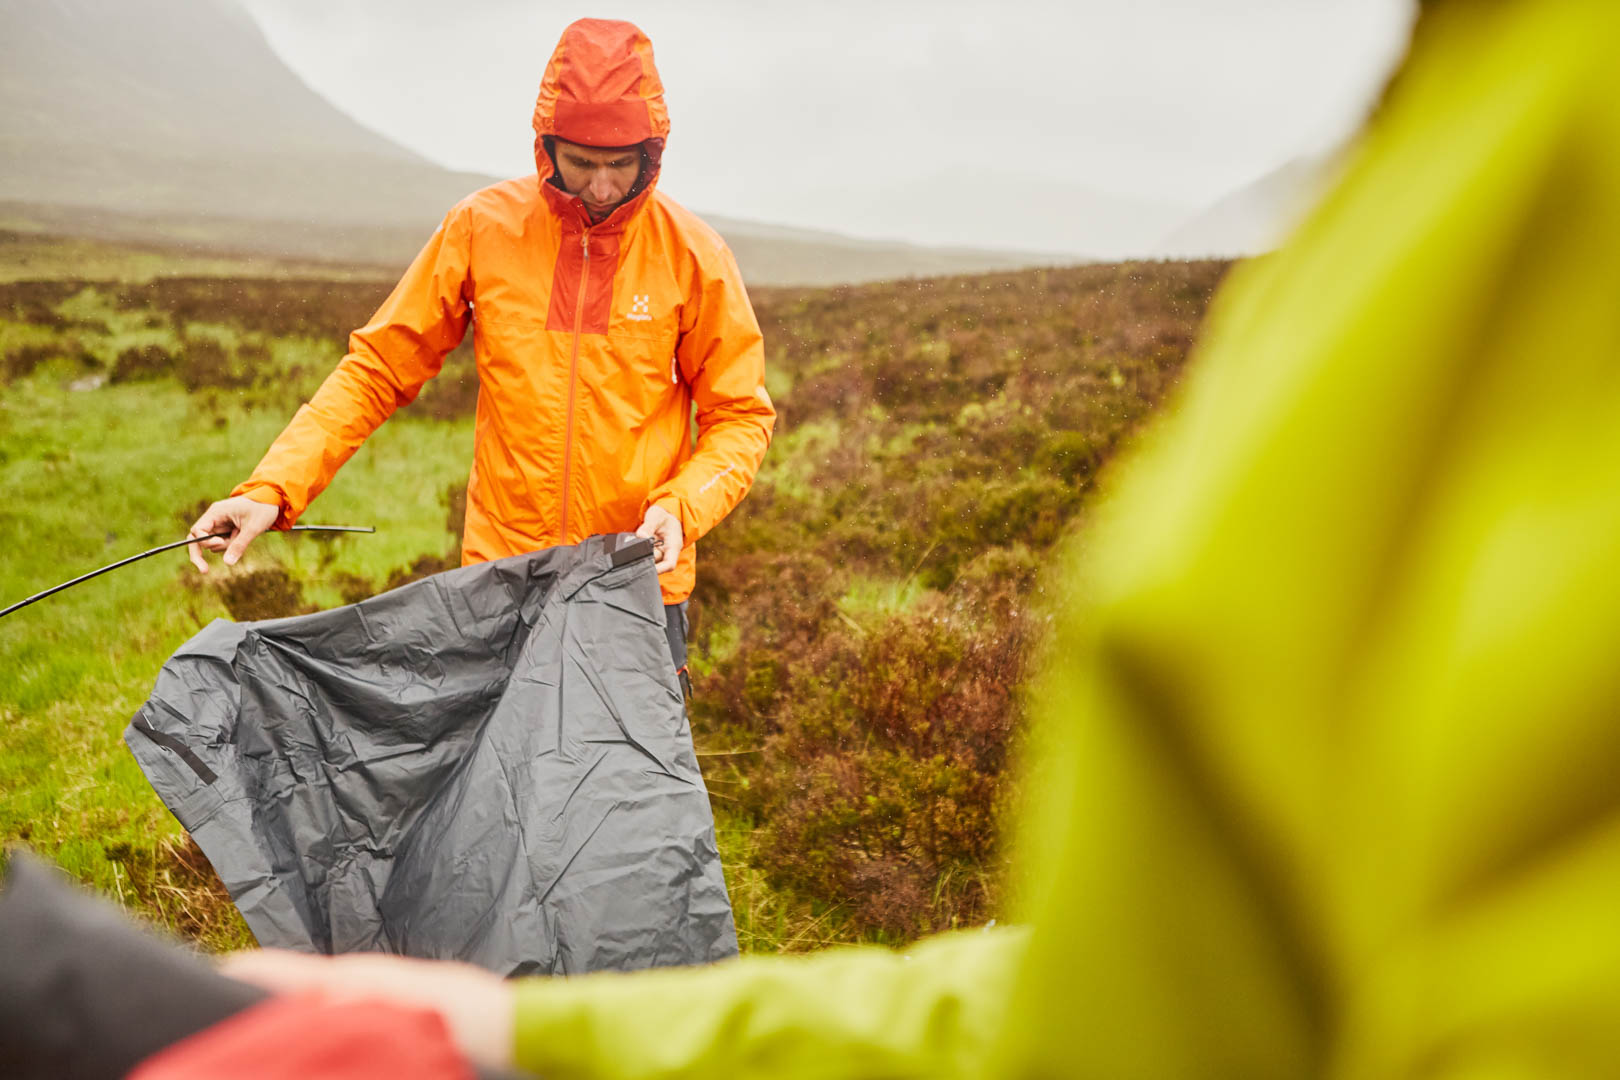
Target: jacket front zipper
573	378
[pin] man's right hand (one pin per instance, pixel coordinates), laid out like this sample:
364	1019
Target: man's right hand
242	518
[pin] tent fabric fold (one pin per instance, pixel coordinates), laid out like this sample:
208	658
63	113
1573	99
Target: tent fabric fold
492	765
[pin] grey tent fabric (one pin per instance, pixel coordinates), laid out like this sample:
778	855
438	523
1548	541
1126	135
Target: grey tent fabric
492	764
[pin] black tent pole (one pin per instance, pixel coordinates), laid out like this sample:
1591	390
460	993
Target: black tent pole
168	547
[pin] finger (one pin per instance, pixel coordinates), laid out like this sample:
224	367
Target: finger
244	536
646	529
670	534
195	555
277	970
200	529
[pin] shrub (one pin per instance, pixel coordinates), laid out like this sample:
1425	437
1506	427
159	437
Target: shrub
205	363
24	359
265	593
883	771
143	362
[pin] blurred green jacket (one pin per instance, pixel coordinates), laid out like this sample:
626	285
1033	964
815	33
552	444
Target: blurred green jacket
1328	778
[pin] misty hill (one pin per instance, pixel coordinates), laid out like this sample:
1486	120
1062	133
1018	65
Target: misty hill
174	120
1257	216
778	255
179	108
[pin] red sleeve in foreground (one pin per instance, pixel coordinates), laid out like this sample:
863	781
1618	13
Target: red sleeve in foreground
314	1037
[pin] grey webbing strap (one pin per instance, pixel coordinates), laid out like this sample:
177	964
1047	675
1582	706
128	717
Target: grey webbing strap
638	548
169	742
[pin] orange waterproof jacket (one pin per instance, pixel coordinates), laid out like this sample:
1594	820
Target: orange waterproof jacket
594	342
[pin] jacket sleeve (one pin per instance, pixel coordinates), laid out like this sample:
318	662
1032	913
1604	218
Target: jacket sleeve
389	359
862	1011
722	358
1334	725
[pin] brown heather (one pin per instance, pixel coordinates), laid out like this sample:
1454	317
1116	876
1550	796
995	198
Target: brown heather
865	619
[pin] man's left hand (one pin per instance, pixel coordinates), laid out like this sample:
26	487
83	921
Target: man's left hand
665	529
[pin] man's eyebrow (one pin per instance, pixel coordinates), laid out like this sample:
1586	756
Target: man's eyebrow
581	159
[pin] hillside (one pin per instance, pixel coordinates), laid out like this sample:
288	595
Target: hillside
178	107
861	626
1257	216
173	121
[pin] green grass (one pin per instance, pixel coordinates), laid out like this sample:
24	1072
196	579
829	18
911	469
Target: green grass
90	477
867	599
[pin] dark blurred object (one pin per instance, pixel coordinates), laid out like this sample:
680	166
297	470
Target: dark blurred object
83	992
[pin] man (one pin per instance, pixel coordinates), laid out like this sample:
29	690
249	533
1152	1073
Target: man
603	312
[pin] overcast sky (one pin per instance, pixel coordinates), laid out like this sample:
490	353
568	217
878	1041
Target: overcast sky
1086	126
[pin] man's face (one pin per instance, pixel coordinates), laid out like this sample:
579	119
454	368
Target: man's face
600	177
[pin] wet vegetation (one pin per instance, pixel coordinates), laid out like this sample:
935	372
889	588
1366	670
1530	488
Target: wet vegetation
862	623
864	620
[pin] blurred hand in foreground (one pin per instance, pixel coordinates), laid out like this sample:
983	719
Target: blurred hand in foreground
240	517
475	1004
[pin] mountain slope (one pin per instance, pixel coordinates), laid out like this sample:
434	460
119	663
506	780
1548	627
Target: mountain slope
178	107
1256	217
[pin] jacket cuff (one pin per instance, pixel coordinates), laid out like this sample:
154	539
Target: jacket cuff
677	506
268	494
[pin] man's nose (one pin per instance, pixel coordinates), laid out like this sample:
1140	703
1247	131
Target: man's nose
602	188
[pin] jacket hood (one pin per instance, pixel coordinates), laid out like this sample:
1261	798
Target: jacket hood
601	89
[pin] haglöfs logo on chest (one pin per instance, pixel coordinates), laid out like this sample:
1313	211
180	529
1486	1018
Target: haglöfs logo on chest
638	308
